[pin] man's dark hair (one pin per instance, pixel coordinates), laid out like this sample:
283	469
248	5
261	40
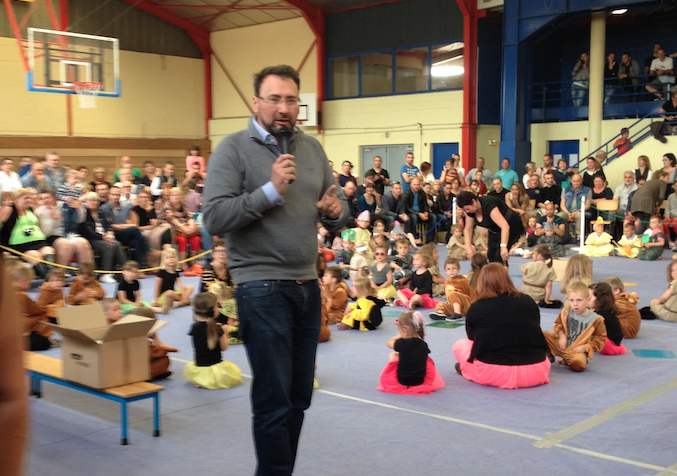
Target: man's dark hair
626	53
369	173
148	162
283	71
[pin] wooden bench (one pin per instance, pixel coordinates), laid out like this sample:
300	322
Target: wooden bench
41	367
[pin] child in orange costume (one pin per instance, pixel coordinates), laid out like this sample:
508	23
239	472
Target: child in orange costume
34	316
458	292
85	289
335	294
628	315
51	294
579	332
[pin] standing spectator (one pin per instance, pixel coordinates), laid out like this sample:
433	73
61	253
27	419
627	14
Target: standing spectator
281	326
593	170
610	78
194	157
648	60
506	174
581	77
409	171
346	174
544	169
9	179
426	172
623	143
628	71
623	191
381	176
487	176
663	68
648	198
126	163
643	170
53	170
166	177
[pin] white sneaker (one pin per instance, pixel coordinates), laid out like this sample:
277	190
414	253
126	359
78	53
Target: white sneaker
108	279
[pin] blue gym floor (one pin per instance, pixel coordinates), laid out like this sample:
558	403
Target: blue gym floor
617	418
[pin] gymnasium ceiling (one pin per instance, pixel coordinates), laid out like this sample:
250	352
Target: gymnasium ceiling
216	15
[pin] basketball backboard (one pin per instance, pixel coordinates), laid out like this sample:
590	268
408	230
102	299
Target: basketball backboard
57	59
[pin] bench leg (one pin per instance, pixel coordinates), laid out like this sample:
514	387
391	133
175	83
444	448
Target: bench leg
36	386
156	414
123	422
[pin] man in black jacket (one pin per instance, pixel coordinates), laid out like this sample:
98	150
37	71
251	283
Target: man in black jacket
416	206
392	205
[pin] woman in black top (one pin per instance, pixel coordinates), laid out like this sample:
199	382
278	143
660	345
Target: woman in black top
601	191
505	347
504	225
594	170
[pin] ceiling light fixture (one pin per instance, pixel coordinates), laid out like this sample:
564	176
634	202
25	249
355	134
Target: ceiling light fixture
620	11
443	71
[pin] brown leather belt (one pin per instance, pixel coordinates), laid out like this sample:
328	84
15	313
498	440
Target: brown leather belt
533	285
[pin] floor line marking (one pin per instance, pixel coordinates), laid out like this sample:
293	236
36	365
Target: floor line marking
615	458
671	471
585	425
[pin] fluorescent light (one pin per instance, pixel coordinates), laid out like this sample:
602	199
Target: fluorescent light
442	71
620	11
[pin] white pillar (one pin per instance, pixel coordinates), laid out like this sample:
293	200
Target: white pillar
596	84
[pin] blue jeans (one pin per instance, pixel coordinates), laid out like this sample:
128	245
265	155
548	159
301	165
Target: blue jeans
280	327
579	95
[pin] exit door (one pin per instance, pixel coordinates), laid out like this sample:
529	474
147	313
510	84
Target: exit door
441	153
567	149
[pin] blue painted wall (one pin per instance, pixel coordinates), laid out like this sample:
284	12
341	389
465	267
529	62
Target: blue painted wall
489	41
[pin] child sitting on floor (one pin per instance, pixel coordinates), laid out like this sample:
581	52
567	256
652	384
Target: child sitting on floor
458	292
433	255
549	238
477	262
598	243
456	244
166	293
359	263
85	289
209	340
381	274
628	314
401	263
480	240
537	277
578	332
37	334
365	314
344	256
410	370
653	247
334	294
51	293
420	288
665	307
601	300
128	292
630	244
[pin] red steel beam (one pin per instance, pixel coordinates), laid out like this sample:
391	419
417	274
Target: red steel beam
17	32
225	9
469	125
28	14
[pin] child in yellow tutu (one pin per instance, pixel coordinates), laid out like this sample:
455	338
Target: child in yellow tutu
630	244
381	275
209	340
365	314
598	243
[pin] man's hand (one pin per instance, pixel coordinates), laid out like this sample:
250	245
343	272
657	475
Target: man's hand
404	217
423	216
329	205
283	172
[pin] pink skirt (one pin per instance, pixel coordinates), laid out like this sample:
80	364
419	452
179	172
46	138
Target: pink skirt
501	376
428	302
389	383
612	349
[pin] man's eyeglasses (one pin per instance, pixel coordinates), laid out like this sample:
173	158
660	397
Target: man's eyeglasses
290	102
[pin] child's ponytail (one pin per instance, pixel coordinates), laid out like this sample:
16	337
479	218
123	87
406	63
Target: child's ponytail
203	306
419	324
545	253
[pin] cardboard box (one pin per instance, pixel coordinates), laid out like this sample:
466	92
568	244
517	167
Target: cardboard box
101	356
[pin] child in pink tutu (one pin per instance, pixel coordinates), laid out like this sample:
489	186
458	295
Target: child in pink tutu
603	302
410	370
420	289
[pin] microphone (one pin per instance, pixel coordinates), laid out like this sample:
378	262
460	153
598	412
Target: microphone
284	134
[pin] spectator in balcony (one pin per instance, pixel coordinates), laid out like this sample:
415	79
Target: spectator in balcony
580	76
623	143
668	112
643	170
663	68
623	191
628	71
610	78
506	174
594	170
648	60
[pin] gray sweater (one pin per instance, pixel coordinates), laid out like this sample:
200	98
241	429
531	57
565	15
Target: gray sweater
265	241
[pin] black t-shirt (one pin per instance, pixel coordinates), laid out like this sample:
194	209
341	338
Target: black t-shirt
534	194
168	280
129	289
204	356
506	330
378	181
500	195
553	194
144	216
411	368
145	180
669	107
589	180
424	283
613	327
488	204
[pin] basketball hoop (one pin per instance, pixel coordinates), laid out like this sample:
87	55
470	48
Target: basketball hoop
87	91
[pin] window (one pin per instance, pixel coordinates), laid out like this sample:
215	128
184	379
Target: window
398	71
343	77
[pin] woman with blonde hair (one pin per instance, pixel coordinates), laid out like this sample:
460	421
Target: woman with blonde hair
518	200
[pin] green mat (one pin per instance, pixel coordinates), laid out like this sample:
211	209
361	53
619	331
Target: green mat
446	325
391	313
654	354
